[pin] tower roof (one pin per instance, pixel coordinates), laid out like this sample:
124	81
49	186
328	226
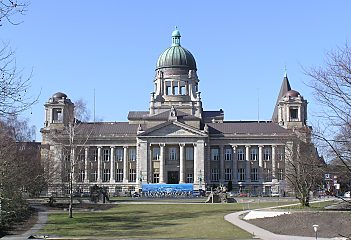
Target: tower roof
176	56
285	87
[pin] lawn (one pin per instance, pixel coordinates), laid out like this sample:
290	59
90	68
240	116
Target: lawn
152	221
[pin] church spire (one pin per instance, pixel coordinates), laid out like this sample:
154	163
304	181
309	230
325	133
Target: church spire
283	89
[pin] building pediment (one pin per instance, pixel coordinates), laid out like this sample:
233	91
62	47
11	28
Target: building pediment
173	129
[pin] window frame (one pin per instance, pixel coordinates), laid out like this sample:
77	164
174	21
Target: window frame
215	154
228	154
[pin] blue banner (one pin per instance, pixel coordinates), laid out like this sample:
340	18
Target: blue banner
168	188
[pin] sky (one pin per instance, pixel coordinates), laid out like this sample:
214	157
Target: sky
242	49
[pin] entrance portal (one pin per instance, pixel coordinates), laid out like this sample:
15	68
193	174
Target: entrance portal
173	177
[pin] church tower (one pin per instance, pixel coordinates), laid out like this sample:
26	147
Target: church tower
176	81
291	109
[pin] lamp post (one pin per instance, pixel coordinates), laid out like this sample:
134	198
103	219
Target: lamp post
315	228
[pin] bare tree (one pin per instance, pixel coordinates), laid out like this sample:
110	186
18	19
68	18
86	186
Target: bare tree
332	87
20	171
13	86
70	139
10	8
304	171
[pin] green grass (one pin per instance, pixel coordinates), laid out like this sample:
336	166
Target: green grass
153	221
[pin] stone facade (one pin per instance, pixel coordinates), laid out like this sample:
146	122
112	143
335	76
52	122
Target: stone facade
175	141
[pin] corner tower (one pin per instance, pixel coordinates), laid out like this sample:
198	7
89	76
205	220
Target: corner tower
291	108
176	81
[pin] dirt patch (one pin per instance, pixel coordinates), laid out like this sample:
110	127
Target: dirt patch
331	224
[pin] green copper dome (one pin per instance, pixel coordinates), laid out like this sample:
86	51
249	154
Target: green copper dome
176	56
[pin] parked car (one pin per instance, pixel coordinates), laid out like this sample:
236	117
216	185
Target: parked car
135	194
275	194
347	194
243	194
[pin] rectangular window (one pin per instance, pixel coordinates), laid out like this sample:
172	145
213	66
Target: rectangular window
106	155
254	174
172	153
294	114
132	154
67	155
156	153
66	175
189	153
106	175
118	189
241	154
132	175
280	174
57	116
93	175
81	175
94	154
253	154
241	174
214	174
228	154
156	178
119	154
81	155
280	153
214	154
189	178
228	174
267	154
267	174
119	175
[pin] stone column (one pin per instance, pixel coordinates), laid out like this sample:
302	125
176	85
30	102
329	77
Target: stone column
247	161
181	163
125	164
274	147
150	165
235	164
86	162
221	164
112	168
172	89
199	164
260	163
196	167
162	163
99	165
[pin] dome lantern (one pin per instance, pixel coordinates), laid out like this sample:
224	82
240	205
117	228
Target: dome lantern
176	37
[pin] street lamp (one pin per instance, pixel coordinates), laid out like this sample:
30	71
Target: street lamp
315	228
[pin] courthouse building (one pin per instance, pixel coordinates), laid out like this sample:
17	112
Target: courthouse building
175	141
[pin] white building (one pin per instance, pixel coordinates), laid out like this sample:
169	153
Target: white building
175	141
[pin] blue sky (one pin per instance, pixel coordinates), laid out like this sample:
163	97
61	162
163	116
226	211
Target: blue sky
241	49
